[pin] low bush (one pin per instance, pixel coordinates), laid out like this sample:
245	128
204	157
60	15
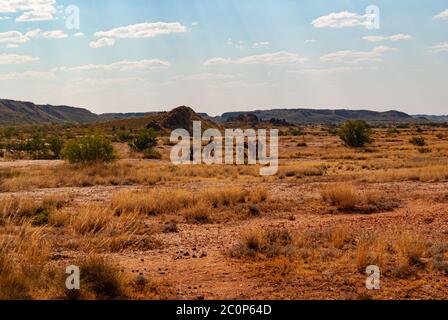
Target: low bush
89	149
145	139
355	133
418	141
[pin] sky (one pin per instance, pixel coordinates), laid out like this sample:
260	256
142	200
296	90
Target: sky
226	55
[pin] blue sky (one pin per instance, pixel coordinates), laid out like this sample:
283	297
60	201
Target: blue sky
224	55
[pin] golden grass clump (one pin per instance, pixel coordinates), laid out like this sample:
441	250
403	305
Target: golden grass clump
339	236
200	213
24	256
101	279
411	248
91	219
346	197
371	250
264	244
152	202
157	202
343	196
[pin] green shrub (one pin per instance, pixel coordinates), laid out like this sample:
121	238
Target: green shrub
145	139
89	149
55	144
418	141
355	133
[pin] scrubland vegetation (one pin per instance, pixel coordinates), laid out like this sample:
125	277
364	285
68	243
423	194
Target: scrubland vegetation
141	228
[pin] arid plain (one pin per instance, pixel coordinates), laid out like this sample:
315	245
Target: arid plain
147	229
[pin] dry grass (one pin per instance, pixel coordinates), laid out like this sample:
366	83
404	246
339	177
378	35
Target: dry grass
201	213
24	256
339	236
347	198
371	250
153	202
119	173
171	201
101	279
91	219
19	209
411	247
261	244
343	196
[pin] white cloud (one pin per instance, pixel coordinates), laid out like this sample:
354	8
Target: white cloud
56	34
16	37
354	57
93	82
260	44
15	59
13	37
441	47
28	75
121	66
310	41
103	42
277	58
12	46
331	71
31	10
442	15
343	19
206	76
78	34
143	30
396	37
195	24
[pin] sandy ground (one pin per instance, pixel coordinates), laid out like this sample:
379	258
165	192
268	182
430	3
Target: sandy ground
195	263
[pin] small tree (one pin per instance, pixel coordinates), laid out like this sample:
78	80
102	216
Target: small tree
89	149
145	139
355	133
418	141
55	144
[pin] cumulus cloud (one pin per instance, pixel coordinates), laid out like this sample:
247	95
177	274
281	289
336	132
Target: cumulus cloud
125	65
56	34
331	71
396	37
78	34
343	19
442	15
39	75
31	10
103	42
310	41
441	47
16	37
143	30
206	76
15	59
277	58
355	57
93	82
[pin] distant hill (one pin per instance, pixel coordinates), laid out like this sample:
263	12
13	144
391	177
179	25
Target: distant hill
179	118
14	112
120	116
27	113
24	113
315	116
431	117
